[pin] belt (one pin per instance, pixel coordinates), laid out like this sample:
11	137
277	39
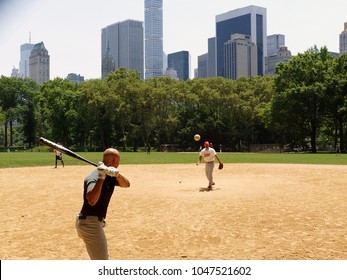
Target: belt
84	217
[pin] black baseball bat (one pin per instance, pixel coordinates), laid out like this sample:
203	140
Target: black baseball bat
64	150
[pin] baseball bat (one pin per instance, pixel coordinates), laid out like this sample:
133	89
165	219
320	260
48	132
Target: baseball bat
64	150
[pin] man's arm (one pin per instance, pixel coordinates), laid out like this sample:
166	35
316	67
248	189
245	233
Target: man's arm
94	191
122	181
199	160
218	159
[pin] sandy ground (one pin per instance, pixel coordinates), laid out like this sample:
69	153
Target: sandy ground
255	212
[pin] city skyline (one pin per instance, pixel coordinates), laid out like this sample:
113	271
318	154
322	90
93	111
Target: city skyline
73	40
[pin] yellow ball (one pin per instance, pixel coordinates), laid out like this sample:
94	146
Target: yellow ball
197	137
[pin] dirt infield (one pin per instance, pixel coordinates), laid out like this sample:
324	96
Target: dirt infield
256	212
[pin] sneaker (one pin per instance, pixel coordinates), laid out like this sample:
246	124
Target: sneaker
209	188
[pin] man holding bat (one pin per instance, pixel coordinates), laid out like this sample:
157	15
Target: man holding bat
98	189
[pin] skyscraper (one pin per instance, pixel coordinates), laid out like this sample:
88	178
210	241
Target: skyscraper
25	51
122	43
179	61
153	38
251	21
274	42
211	60
202	66
343	40
240	57
39	63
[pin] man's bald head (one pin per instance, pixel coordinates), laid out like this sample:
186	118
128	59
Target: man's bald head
111	157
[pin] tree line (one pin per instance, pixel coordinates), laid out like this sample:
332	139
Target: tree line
303	105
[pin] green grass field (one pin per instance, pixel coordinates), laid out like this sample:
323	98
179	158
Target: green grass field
27	159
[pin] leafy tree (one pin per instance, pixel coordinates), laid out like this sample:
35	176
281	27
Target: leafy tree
96	114
12	90
299	105
337	101
58	101
28	111
124	88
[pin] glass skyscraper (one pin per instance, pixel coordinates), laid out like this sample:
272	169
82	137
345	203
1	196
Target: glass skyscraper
211	60
25	51
153	38
122	43
250	21
179	61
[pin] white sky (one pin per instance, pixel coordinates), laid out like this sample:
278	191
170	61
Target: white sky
71	29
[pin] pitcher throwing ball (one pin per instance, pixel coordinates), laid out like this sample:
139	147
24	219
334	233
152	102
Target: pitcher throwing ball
209	154
98	189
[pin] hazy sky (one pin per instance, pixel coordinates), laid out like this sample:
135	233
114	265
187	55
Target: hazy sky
71	29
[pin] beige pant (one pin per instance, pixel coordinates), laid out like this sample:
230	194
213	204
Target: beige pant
91	230
209	166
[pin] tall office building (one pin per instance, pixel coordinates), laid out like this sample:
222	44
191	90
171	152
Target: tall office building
25	51
250	21
39	63
153	38
211	59
343	40
122	44
202	66
180	62
240	57
274	42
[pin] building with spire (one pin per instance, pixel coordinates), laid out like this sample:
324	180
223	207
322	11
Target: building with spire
25	51
343	40
107	65
39	63
153	38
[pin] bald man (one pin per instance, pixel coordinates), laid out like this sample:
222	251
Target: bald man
98	189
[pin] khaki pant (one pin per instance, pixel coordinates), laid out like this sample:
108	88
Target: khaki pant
91	230
209	166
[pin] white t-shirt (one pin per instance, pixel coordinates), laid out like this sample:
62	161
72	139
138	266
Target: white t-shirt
208	155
